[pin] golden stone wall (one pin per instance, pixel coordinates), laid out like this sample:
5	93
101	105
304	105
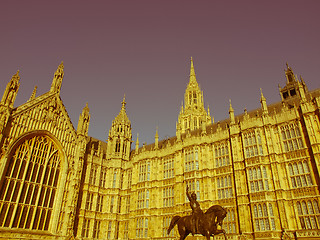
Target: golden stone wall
262	166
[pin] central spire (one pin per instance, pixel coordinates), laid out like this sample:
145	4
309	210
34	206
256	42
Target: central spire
193	79
193	114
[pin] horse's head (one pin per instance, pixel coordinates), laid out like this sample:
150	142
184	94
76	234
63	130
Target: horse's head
221	215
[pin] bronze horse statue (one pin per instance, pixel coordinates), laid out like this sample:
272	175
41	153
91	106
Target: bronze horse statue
207	226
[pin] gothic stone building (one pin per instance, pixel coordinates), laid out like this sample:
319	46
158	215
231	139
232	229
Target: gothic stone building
59	183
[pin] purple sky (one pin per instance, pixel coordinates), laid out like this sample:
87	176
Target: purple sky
143	49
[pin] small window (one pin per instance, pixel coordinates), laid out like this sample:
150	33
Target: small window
293	92
285	95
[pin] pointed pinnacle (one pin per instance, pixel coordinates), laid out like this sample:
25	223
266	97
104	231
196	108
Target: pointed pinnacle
262	97
230	108
192	72
124	102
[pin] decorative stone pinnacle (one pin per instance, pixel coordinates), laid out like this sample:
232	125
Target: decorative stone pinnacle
16	76
192	72
124	102
230	108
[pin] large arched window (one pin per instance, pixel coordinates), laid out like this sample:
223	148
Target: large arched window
29	184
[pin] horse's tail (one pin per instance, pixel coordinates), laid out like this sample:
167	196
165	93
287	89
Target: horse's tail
173	222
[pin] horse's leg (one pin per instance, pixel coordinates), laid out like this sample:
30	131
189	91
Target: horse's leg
208	236
224	234
183	235
183	232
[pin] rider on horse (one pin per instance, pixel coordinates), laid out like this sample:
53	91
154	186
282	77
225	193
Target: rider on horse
197	213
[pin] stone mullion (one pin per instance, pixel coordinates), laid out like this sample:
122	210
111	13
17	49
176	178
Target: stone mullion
41	187
22	180
29	205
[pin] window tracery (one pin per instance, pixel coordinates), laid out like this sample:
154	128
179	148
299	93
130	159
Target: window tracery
300	174
252	144
221	154
309	214
30	184
291	137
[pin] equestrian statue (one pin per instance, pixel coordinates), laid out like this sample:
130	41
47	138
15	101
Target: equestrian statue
199	222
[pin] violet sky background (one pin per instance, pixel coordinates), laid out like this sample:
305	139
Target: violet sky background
143	49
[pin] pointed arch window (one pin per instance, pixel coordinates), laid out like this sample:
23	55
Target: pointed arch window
29	186
230	221
300	174
309	214
252	144
291	137
194	97
117	146
221	154
263	215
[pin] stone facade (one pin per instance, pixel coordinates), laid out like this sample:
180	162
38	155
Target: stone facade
56	182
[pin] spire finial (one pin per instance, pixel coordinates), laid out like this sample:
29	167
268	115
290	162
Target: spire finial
16	76
263	102
230	108
231	113
262	97
124	102
86	107
33	95
192	72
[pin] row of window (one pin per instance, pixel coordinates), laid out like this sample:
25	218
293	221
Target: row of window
257	178
99	203
291	137
86	228
264	220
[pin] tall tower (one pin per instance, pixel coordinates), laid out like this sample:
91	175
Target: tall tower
193	114
120	136
293	87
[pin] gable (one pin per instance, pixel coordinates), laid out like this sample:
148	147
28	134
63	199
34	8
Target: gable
48	113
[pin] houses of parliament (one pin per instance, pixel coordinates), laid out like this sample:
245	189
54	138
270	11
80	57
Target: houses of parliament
262	166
